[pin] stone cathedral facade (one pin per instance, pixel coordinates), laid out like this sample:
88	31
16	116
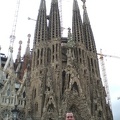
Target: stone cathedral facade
59	75
65	73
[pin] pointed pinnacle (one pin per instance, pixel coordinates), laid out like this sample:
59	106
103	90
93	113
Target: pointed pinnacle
85	14
75	5
42	5
19	51
28	45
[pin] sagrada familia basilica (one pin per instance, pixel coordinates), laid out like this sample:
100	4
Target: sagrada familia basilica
59	75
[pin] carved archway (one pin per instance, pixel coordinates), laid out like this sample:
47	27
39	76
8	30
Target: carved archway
50	108
74	87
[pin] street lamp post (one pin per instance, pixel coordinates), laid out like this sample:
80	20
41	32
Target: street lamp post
15	113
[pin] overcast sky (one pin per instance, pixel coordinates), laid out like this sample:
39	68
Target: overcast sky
105	21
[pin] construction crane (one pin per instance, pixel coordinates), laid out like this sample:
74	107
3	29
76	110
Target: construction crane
61	19
108	99
31	19
9	62
12	36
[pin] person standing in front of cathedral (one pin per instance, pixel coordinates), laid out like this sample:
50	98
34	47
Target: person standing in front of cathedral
69	116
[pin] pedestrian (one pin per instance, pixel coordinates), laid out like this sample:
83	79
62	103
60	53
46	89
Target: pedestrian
69	116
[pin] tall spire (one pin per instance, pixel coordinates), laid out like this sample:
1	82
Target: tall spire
77	23
75	5
41	24
85	14
19	52
43	5
88	34
27	52
40	37
54	24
